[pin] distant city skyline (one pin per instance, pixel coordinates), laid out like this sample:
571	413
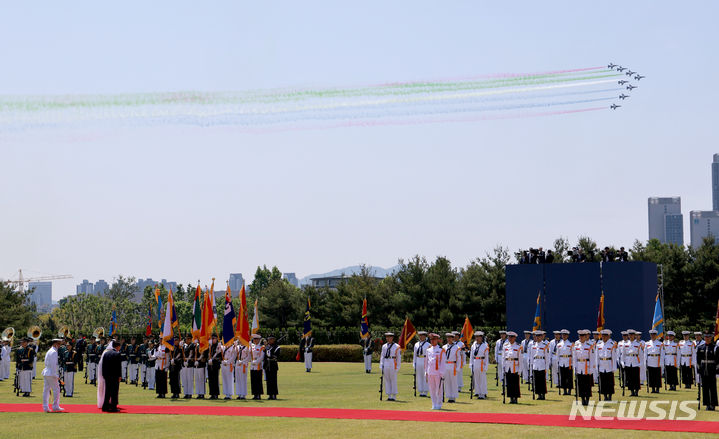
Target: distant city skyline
665	220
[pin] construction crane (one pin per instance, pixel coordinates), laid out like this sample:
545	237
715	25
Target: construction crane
21	280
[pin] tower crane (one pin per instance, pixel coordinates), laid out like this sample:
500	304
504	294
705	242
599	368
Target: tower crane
22	280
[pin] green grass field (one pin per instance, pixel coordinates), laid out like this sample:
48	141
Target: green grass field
331	385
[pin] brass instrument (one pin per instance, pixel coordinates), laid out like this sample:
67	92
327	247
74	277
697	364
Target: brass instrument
98	333
8	334
34	332
64	332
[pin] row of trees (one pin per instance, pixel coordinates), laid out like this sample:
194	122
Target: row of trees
433	294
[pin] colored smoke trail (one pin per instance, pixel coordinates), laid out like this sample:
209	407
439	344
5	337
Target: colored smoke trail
481	98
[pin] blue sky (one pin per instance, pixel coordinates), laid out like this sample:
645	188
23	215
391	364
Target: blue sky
185	202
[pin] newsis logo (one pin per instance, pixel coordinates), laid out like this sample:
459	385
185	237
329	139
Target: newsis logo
633	410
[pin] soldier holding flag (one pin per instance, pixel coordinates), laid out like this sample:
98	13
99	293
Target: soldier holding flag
307	343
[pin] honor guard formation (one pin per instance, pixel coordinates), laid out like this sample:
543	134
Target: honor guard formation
576	367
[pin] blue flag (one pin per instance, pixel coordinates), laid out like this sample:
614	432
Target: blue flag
113	323
229	320
308	320
537	316
658	321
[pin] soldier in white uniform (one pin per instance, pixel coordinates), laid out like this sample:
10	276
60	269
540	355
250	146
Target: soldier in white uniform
242	362
654	359
366	344
553	358
596	336
390	362
606	360
511	363
498	354
5	361
583	358
257	361
564	362
461	352
686	360
539	360
632	361
227	368
479	363
451	369
434	365
671	360
643	368
524	347
418	358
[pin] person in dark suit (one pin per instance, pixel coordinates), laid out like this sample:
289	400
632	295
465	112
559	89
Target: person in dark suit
112	373
272	354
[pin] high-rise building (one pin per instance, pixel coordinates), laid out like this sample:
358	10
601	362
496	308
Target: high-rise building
291	278
236	281
715	182
169	285
85	287
703	223
42	293
100	287
666	220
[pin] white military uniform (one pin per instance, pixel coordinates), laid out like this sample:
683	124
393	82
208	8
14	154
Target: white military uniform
229	356
434	366
654	357
524	368
5	362
687	353
498	357
242	360
418	359
451	370
158	355
461	358
390	362
51	375
479	363
553	359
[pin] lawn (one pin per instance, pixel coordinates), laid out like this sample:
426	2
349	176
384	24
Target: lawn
331	385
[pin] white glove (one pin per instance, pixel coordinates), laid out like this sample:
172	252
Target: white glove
197	363
185	364
172	361
210	362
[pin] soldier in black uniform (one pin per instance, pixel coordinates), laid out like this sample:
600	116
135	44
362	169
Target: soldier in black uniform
123	359
213	367
24	357
188	366
80	347
69	362
367	346
133	360
175	369
272	353
201	358
142	361
707	368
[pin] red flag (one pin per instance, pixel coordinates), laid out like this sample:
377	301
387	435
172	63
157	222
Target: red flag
148	330
207	317
600	315
242	331
467	332
716	325
407	334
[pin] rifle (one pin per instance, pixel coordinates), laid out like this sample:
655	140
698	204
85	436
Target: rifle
88	362
442	382
381	383
623	374
415	383
496	374
532	382
576	387
699	392
137	374
16	385
551	376
504	387
471	383
599	385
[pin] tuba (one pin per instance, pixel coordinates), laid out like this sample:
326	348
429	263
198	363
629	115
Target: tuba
34	332
98	333
8	334
64	332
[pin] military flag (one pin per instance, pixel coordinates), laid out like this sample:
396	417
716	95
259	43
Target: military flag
113	322
716	324
256	320
158	302
658	321
364	325
197	313
467	332
148	329
169	322
242	332
600	314
537	315
307	329
213	307
229	320
407	334
206	329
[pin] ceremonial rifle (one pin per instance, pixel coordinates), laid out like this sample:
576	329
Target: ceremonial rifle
415	383
576	387
381	382
17	381
88	362
471	382
504	387
599	384
532	381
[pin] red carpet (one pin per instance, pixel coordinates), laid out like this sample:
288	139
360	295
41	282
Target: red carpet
389	415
